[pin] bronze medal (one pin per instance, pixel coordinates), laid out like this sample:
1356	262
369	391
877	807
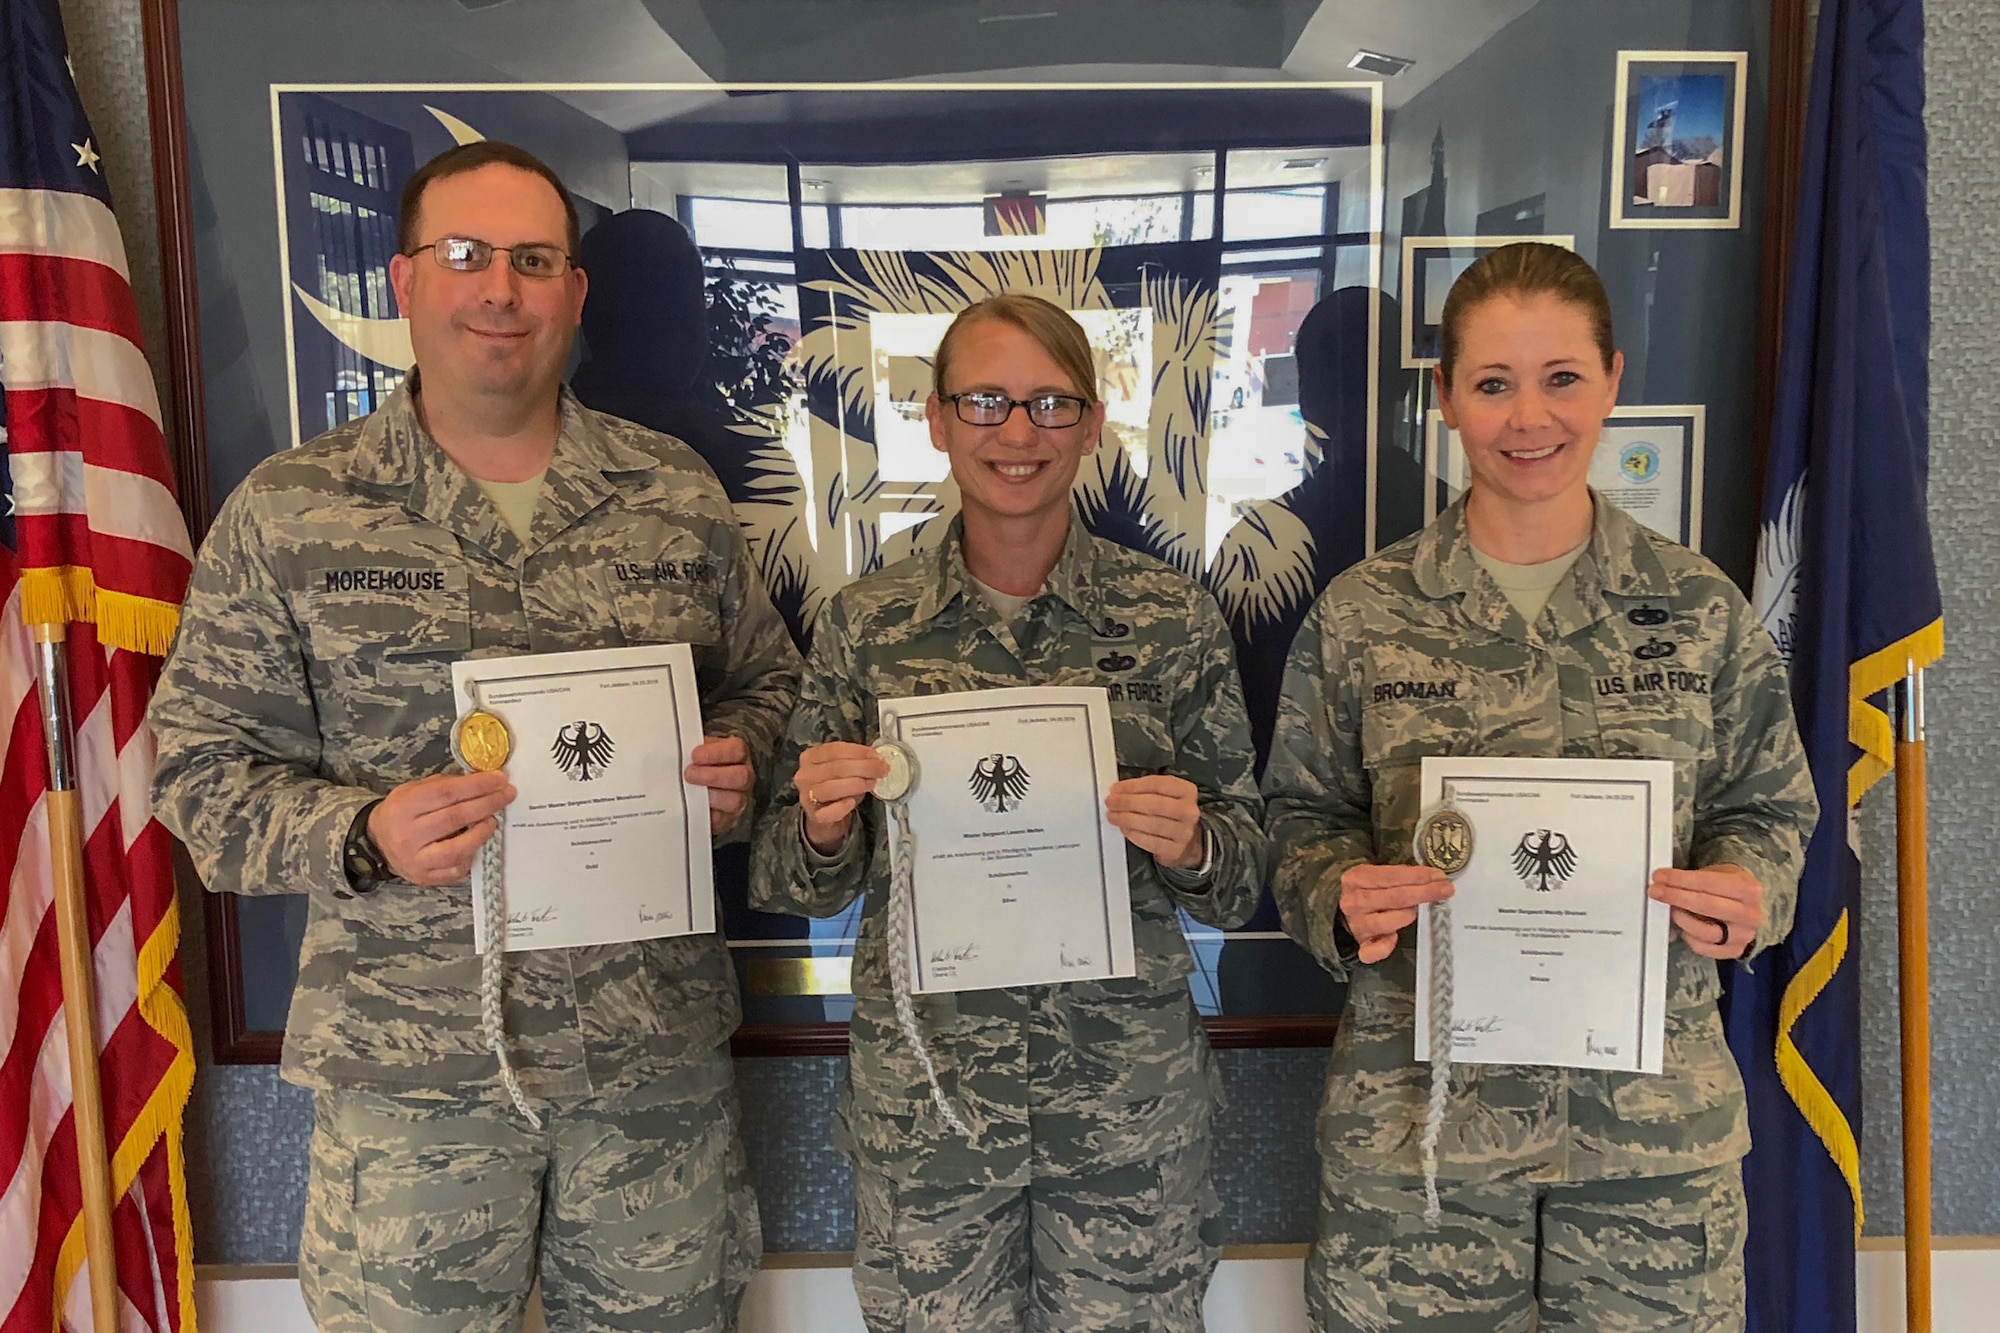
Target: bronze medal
480	742
1443	839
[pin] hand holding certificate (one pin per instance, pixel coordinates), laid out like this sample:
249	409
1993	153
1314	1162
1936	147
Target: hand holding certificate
1017	878
1559	957
606	841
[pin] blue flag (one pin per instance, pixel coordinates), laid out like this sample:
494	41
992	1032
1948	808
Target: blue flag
1847	586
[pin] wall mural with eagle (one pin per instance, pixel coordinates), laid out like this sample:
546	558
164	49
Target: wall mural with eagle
1257	264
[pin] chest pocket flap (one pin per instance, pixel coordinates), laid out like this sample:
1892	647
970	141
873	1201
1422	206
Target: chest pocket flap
379	608
1655	710
381	639
668	615
1414	704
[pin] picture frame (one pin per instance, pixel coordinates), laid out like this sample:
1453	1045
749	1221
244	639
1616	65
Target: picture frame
1677	140
244	984
1430	265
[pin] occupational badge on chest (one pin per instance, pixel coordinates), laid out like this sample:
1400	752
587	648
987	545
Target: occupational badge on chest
1443	839
480	742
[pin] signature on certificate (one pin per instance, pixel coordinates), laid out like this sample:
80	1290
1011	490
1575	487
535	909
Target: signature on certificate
959	953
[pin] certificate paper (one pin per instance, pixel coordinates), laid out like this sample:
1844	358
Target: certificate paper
1559	957
1018	879
605	841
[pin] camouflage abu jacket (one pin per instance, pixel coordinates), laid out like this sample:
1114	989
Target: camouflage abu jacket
1646	650
313	673
1051	1078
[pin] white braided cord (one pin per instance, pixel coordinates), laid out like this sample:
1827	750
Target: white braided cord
492	965
901	889
1441	1006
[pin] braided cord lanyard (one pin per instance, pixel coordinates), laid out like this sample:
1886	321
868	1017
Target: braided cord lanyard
902	887
1443	840
493	963
1441	983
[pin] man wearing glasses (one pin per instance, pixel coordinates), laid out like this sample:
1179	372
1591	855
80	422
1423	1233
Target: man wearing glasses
303	725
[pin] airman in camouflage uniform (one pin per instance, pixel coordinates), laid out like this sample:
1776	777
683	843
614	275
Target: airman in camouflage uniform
1645	650
1094	1097
312	674
1083	1200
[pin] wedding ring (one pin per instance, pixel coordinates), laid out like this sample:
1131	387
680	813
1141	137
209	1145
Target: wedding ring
812	799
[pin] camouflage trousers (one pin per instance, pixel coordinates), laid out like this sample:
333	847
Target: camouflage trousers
1645	1255
1127	1248
433	1215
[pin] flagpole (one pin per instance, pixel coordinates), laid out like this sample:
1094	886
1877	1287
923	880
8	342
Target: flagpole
73	945
1913	934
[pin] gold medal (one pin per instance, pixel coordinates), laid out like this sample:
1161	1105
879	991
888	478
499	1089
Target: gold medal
480	742
1443	838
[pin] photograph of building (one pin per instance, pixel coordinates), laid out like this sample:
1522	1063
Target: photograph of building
1681	149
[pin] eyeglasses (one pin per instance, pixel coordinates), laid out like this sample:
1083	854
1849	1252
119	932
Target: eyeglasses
983	407
466	255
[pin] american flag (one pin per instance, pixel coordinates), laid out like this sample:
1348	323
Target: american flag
92	536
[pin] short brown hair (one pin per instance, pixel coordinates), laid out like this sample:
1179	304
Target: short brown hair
1526	268
1047	323
471	157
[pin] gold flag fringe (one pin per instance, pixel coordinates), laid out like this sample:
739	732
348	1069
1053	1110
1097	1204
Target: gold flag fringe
61	594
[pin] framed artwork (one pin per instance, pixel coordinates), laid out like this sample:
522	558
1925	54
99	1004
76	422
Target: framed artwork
1677	141
813	192
1431	264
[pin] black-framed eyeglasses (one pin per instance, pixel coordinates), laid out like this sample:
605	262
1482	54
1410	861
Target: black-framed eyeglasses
467	255
983	407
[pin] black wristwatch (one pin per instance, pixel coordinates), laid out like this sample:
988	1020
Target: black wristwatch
367	869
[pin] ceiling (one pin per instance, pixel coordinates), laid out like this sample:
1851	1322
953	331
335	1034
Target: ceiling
859	41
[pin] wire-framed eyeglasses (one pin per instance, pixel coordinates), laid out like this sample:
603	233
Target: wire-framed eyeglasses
464	254
983	407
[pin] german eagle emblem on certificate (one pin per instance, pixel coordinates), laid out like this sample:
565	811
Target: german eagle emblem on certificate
998	779
1541	856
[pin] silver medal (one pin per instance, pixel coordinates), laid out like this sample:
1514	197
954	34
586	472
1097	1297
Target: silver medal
902	775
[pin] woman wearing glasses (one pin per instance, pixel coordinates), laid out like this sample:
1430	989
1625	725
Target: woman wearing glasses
1077	1196
1532	619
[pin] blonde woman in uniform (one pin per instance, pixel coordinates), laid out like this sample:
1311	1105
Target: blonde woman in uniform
1513	626
1054	1174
